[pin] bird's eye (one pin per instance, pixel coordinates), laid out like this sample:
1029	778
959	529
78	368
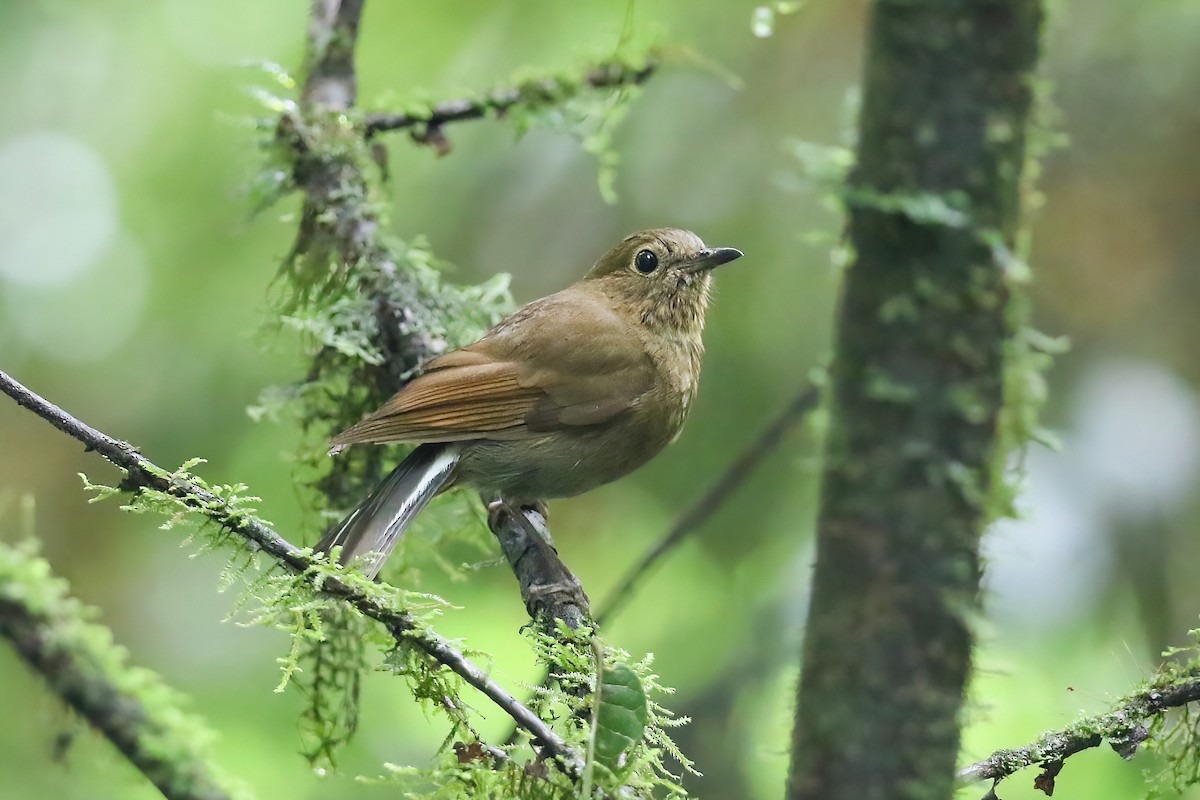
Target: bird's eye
646	262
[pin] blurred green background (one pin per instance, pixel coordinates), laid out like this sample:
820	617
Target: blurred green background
133	286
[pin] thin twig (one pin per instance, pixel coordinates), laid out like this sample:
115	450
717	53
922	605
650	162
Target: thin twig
1124	727
708	503
142	474
603	76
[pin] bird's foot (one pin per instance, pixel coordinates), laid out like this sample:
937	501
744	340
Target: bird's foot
499	510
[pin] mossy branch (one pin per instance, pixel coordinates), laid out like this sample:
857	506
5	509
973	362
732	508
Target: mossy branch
131	707
427	123
142	475
1125	727
332	35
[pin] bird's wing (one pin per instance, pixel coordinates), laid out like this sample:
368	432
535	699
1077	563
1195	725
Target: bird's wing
561	362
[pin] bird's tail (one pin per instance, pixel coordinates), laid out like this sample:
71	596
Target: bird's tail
372	529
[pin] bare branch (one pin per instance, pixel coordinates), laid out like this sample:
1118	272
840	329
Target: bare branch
708	503
332	35
549	589
539	92
142	474
1123	727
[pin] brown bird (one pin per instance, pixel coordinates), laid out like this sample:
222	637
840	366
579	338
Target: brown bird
570	392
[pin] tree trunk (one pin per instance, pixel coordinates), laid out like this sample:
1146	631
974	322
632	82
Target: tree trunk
917	385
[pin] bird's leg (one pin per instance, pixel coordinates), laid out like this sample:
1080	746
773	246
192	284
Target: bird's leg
547	586
500	510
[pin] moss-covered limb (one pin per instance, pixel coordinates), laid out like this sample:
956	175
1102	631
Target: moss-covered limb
914	448
142	475
1125	727
130	706
551	592
536	93
378	308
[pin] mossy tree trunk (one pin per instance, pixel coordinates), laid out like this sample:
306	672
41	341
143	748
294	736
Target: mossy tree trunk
917	392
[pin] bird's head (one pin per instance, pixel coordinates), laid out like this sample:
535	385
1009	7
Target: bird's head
662	274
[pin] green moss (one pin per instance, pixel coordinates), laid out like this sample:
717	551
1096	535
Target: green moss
882	386
899	308
134	708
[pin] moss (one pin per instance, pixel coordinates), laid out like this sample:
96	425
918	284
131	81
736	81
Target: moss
131	706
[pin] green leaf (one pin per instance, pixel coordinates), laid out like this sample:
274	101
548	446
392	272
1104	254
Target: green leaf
622	716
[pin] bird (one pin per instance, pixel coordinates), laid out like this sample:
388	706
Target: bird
568	393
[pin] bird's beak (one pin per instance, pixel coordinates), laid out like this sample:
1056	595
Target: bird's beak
710	258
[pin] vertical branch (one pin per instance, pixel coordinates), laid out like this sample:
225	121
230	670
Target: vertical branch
917	391
339	236
332	35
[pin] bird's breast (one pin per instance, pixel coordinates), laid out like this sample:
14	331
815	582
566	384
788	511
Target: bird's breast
677	356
